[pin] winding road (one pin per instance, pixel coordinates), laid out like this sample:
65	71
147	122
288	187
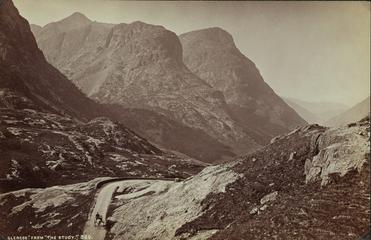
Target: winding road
103	199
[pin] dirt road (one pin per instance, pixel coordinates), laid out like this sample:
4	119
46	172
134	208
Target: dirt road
102	201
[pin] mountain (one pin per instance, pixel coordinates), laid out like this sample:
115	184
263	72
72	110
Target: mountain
312	183
353	114
63	97
48	133
24	69
316	112
139	65
212	55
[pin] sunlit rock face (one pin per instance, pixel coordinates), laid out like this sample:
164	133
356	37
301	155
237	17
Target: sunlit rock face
212	55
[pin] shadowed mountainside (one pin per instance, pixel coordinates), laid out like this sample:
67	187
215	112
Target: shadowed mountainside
212	55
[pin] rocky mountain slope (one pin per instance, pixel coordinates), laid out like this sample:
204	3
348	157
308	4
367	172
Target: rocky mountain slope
351	115
139	65
316	112
43	149
43	140
212	55
312	183
172	134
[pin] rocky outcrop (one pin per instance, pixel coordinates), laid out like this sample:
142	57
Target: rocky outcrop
212	55
168	206
340	151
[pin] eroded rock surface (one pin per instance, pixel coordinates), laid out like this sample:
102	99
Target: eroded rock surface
340	151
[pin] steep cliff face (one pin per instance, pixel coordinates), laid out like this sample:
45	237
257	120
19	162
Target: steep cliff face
212	55
139	65
24	69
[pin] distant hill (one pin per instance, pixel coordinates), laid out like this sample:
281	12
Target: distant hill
316	112
353	114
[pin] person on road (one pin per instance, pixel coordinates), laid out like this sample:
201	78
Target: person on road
98	219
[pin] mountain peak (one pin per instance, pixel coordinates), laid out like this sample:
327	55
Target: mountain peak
215	35
76	20
77	16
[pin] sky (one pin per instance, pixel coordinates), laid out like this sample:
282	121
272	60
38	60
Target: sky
313	51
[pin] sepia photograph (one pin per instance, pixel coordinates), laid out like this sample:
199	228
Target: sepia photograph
184	120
